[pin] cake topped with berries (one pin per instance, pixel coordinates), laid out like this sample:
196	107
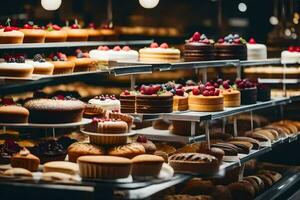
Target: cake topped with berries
10	112
291	56
256	51
11	35
159	53
15	66
93	32
248	91
199	48
180	99
206	98
54	33
33	33
231	47
61	63
82	61
40	65
106	102
117	53
107	125
75	33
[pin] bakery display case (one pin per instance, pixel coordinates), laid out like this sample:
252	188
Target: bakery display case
86	113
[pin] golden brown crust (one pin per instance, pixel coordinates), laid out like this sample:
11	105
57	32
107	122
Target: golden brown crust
127	151
56	36
13	114
83	149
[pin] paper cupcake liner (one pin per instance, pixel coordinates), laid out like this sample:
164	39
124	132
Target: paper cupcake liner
104	171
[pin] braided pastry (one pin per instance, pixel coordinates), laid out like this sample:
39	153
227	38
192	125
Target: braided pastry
127	150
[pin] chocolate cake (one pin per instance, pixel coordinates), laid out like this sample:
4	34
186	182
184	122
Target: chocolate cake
248	91
263	92
52	111
231	47
199	48
127	100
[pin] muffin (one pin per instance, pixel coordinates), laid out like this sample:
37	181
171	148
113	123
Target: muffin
83	149
24	159
105	167
146	165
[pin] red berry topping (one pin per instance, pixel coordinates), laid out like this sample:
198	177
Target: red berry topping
156	88
180	92
74	26
117	48
252	41
148	90
126	48
205	41
154	45
126	92
196	37
236	41
297	49
221	41
164	46
205	93
7	101
60	97
196	91
105	48
216	85
211	93
291	49
210	88
92	25
8	29
56	27
208	84
141	139
27	26
226	85
217	92
179	86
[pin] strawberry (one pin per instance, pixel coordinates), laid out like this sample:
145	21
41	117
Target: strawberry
117	48
205	93
221	40
92	25
126	48
291	49
217	92
56	27
164	46
211	93
226	85
196	91
27	26
179	92
74	26
8	29
105	48
252	41
7	101
126	92
154	45
196	37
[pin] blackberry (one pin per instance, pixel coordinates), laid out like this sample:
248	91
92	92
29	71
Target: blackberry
20	59
37	57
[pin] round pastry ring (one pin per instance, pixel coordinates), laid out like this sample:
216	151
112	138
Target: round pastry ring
108	134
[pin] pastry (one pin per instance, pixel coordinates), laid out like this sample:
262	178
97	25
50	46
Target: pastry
57	176
183	128
149	146
194	163
50	150
258	181
40	65
254	142
33	33
243	146
180	100
146	165
18	172
162	53
197	186
230	150
290	56
8	149
106	125
11	35
275	176
104	53
232	97
53	111
259	137
216	152
165	148
83	62
24	159
10	113
242	190
94	33
83	149
256	51
253	183
199	48
106	167
162	154
62	167
128	101
248	91
268	182
128	150
15	66
54	33
122	117
61	64
206	99
75	33
100	104
231	47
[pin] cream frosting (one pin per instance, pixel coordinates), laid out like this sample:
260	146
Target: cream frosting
288	57
159	50
256	51
129	56
13	33
39	64
5	65
107	104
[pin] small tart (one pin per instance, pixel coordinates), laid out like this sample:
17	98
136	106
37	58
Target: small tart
76	34
33	35
83	64
11	37
18	172
83	149
24	159
62	167
16	69
128	150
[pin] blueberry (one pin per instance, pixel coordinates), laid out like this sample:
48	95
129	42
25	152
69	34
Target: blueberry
226	38
236	36
37	57
231	41
230	36
55	58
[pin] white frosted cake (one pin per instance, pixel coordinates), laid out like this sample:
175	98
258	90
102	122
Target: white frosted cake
108	103
256	51
116	54
40	65
291	56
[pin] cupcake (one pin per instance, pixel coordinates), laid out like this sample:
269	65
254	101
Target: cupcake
83	149
146	165
104	167
40	65
75	33
24	159
94	33
33	33
11	35
83	62
54	33
61	63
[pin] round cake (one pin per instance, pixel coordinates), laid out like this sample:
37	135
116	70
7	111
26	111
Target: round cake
125	54
55	34
199	48
33	34
61	64
232	97
291	56
11	35
162	53
55	111
128	100
248	91
231	47
83	62
256	51
15	67
106	125
40	65
101	104
94	33
75	33
206	99
180	100
13	114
